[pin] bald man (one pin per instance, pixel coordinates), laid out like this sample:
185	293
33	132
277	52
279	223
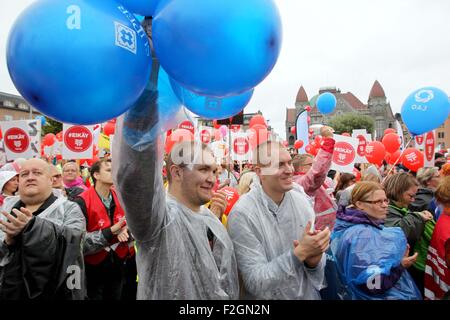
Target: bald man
40	240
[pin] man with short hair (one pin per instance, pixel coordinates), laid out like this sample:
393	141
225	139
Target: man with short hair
108	243
40	240
183	250
279	253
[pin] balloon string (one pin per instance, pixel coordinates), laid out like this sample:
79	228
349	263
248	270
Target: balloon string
396	161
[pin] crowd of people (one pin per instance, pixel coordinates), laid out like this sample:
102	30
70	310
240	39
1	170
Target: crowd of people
148	225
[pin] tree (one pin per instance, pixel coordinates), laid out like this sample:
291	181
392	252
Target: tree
51	126
351	121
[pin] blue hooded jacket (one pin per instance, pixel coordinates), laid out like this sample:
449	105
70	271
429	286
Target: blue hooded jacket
369	257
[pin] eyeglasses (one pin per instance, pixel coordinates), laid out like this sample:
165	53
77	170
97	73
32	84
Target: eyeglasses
377	202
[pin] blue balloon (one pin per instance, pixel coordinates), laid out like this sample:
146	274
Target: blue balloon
78	61
142	7
167	102
211	107
43	120
326	103
425	109
218	48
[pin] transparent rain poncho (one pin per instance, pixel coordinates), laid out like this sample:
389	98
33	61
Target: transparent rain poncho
363	252
174	258
263	235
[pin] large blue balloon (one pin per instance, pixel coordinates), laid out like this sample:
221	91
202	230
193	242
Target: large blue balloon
211	107
78	61
425	109
326	103
143	7
218	47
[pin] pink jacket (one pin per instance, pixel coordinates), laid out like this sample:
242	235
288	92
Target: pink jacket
313	184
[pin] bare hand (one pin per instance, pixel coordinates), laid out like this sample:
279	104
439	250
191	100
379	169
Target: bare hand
408	261
117	228
312	245
123	235
326	132
219	203
426	215
15	225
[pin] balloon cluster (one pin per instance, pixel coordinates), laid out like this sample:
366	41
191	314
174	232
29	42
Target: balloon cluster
89	61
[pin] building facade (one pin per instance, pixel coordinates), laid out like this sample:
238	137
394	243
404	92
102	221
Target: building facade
14	107
377	107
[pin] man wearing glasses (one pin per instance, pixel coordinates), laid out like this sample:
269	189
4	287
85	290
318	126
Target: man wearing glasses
310	173
40	240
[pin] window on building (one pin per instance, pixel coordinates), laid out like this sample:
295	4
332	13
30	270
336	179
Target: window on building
9	118
22	106
379	127
8	103
441	135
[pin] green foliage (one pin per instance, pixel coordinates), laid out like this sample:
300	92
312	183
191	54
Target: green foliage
51	126
351	121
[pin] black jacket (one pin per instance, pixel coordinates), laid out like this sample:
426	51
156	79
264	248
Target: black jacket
46	260
423	201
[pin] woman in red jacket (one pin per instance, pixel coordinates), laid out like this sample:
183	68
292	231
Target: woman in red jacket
437	269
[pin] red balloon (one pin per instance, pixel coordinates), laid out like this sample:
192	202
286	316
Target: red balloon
311	130
375	152
346	134
215	124
232	198
49	139
311	149
387	157
257	119
293	130
58	157
1	134
178	135
413	159
109	128
308	108
59	136
257	135
394	158
391	142
285	143
389	130
298	144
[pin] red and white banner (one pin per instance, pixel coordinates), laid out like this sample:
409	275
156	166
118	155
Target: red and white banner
363	140
205	134
22	138
420	142
188	125
78	141
344	154
240	147
428	151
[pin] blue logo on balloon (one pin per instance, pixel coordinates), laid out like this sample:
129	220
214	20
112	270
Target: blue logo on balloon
326	103
425	109
79	61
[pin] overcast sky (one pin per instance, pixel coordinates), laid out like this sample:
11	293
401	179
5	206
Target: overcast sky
404	44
